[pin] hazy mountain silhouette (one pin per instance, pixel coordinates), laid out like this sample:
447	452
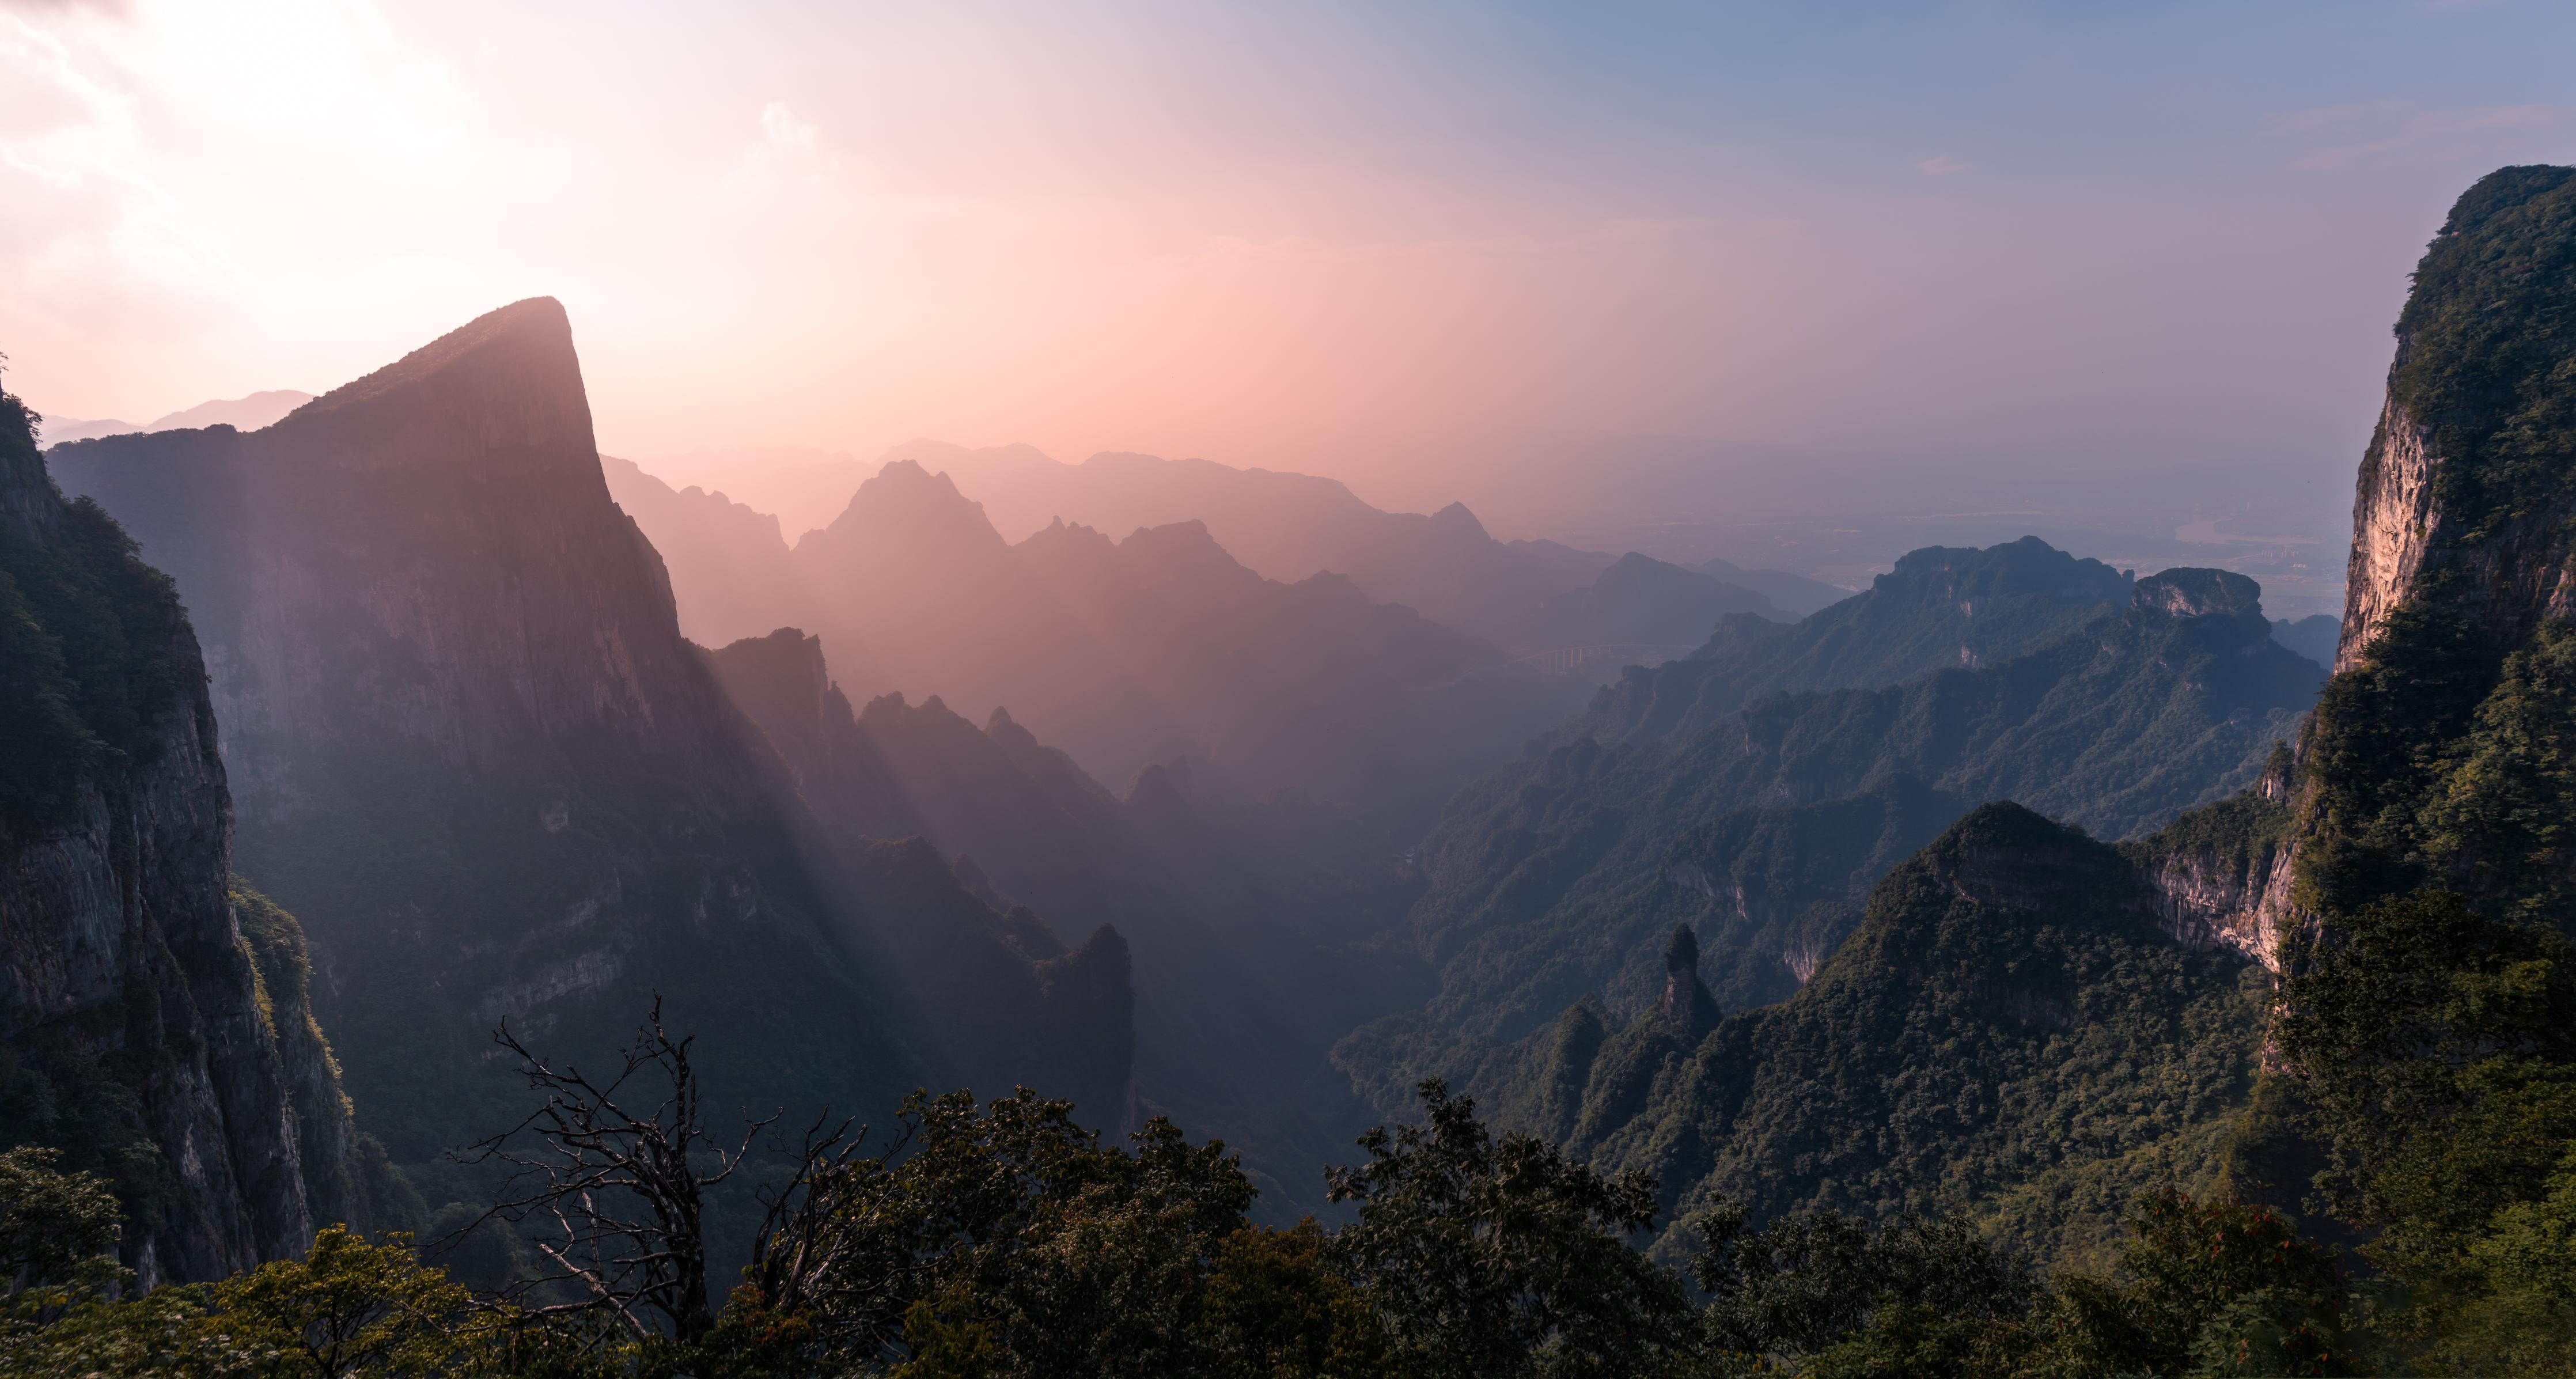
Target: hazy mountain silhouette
475	754
729	566
2313	636
1162	647
1249	922
1795	595
1642	603
1285	526
243	413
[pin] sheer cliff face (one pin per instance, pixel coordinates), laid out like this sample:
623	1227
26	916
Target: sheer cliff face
474	754
131	1030
2463	499
2419	766
2393	522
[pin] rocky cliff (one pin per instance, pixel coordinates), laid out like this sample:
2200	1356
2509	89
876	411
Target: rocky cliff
137	1033
2426	761
473	752
2464	496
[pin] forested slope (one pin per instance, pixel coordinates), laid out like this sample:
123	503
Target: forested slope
1561	876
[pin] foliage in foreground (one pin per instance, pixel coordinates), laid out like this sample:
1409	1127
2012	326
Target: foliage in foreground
1004	1240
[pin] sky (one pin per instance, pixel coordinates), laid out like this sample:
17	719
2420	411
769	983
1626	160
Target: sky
1343	238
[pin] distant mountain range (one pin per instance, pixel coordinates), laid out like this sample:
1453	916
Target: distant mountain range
1285	526
242	413
1757	790
1162	647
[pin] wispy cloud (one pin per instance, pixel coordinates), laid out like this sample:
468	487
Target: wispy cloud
1940	167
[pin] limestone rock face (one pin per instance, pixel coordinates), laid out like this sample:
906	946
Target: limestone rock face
130	1010
2186	592
2459	557
2209	901
2393	521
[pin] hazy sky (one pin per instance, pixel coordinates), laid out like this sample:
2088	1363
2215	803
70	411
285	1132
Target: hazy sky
2107	233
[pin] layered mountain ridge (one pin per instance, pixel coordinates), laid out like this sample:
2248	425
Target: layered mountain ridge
1762	825
1161	647
475	754
2029	1026
1250	921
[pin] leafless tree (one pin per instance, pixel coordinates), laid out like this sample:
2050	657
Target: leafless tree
618	1195
823	1252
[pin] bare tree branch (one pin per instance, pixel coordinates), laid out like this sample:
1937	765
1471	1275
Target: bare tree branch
618	1198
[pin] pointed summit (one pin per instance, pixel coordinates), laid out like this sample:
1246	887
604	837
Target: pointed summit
905	497
1687	1001
1456	522
501	393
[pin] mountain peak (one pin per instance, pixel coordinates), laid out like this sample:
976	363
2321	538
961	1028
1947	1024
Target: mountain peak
2028	566
2015	858
504	388
1455	520
907	497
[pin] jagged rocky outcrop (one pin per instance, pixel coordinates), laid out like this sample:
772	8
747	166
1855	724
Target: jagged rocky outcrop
137	1034
2417	768
1687	1002
473	752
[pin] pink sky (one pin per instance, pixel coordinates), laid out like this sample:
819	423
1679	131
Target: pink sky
1267	237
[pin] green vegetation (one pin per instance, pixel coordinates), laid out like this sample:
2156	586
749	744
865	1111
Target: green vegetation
2439	1049
2428	1007
94	650
1003	1239
2005	1034
2488	333
1561	876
